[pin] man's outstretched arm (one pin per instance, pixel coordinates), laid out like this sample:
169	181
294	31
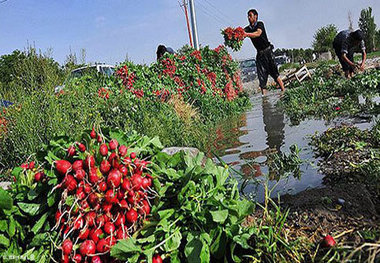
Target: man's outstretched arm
255	34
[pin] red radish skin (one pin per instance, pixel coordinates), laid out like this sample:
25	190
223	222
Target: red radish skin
123	150
107	207
95	234
62	167
123	204
136	181
77	165
102	246
81	147
120	234
71	151
145	183
90	218
133	155
112	156
83	234
100	221
126	184
70	183
328	241
127	161
110	197
93	199
123	169
89	162
105	167
93	134
39	176
77	258
102	187
67	247
65	259
120	220
109	228
132	216
93	175
114	179
80	193
99	139
103	149
113	144
96	259
87	248
145	207
157	259
80	174
78	223
87	188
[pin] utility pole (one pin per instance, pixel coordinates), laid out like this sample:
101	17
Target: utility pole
194	24
187	23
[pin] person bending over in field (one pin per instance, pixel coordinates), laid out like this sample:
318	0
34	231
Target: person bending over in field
345	44
161	50
265	57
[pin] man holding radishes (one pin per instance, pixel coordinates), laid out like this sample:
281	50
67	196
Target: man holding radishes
265	58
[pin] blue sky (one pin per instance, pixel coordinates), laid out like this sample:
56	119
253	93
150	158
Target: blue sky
109	30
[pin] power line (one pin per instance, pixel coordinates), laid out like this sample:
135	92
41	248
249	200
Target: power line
208	13
220	12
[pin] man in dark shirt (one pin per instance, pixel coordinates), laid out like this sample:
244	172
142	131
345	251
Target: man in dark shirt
345	44
265	62
161	50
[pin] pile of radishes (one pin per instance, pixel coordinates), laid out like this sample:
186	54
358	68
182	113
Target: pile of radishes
105	197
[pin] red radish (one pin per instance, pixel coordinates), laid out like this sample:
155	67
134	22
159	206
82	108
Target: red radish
89	162
96	259
132	216
112	156
115	163
93	134
84	205
81	147
110	197
131	200
39	176
120	234
87	248
123	204
77	165
120	194
328	241
58	216
99	139
120	220
113	144
107	207
105	166
70	183
114	178
67	247
102	187
157	259
90	218
24	166
77	258
78	223
136	181
145	183
65	259
123	150
95	234
102	246
133	155
80	174
80	193
62	166
109	228
100	221
93	199
71	151
126	184
93	175
83	234
127	161
145	209
103	149
87	188
123	169
32	165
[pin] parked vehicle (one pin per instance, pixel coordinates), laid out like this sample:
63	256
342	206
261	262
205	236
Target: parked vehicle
248	69
94	69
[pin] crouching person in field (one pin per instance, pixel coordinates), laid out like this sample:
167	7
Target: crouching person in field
345	44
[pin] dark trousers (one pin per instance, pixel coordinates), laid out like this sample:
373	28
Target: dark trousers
266	66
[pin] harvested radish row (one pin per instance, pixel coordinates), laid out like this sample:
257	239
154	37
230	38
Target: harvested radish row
105	198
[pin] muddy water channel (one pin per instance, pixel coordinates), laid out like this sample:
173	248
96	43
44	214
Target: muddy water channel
246	142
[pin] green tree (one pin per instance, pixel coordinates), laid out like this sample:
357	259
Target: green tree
368	26
8	66
324	38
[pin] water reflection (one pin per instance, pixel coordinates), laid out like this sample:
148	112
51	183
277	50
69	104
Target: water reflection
273	118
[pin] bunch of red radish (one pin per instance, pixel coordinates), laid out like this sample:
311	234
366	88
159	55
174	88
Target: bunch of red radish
105	198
